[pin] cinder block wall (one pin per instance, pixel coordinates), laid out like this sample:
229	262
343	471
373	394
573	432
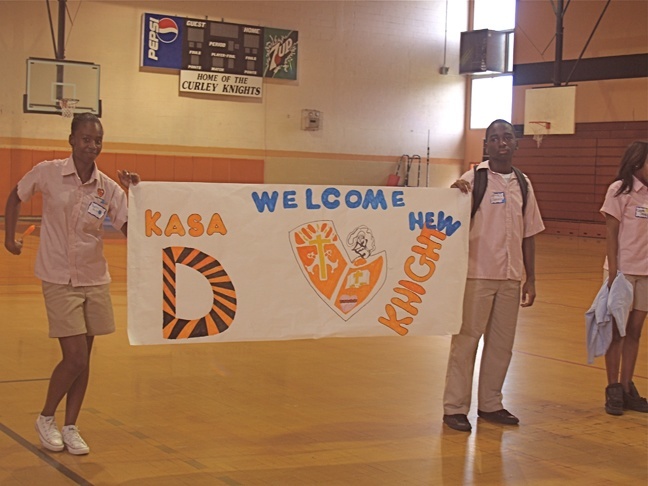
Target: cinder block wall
571	173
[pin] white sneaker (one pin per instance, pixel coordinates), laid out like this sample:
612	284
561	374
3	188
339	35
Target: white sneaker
49	434
73	441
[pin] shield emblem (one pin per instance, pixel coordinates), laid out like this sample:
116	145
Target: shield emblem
345	284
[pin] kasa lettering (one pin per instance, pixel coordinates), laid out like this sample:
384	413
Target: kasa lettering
192	225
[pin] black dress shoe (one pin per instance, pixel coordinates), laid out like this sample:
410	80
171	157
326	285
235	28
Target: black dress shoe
458	422
615	399
502	416
634	401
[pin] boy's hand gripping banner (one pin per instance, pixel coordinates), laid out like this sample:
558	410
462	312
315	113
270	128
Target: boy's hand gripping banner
239	262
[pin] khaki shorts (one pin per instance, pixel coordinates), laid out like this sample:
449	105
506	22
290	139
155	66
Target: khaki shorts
640	287
78	310
639	290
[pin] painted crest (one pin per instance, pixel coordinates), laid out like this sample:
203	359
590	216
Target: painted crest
346	283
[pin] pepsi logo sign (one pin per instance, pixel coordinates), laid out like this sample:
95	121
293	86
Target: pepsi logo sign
168	30
163	30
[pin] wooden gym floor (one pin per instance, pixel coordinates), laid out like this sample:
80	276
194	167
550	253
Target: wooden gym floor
319	412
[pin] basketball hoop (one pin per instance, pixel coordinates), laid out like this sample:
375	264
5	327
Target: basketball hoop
67	106
540	129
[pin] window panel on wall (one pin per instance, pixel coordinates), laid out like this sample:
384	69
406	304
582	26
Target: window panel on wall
494	14
491	98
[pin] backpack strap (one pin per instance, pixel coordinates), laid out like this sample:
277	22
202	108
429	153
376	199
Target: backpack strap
524	187
481	181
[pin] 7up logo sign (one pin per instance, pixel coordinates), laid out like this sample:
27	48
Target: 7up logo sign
280	54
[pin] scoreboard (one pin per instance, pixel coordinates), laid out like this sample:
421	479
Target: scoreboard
223	48
170	42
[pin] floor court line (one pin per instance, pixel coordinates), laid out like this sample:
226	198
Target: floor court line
67	472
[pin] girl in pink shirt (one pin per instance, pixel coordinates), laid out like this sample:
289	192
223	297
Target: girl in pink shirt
626	217
77	197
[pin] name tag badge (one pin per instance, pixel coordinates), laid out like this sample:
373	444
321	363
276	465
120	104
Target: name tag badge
641	212
497	198
96	210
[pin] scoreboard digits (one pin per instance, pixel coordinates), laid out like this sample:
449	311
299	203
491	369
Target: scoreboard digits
221	47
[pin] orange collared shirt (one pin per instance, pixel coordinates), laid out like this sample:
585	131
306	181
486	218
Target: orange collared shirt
497	230
71	237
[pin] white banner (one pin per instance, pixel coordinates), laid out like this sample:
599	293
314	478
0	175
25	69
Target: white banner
220	84
235	262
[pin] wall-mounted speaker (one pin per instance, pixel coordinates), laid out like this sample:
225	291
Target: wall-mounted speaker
482	51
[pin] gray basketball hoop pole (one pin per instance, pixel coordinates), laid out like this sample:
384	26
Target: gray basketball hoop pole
59	47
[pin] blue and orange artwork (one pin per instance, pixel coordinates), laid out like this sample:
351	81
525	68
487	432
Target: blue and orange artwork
231	262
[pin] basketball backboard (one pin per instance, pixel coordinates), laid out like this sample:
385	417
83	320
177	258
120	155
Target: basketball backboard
51	80
550	111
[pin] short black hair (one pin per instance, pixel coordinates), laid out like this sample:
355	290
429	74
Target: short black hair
82	118
499	120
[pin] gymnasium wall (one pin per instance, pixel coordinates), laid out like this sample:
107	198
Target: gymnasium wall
623	30
371	68
571	172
